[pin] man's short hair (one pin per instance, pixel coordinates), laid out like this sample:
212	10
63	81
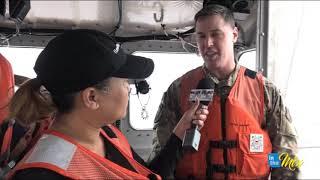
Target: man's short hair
215	9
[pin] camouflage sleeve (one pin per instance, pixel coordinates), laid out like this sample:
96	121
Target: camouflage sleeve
167	117
281	131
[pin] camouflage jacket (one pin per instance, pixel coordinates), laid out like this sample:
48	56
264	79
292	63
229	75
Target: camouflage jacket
277	120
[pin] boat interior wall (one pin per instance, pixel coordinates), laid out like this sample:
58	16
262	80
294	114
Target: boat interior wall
126	20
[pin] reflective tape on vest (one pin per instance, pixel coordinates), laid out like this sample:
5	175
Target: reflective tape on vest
53	150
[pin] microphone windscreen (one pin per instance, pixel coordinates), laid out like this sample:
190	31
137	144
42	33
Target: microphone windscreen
205	83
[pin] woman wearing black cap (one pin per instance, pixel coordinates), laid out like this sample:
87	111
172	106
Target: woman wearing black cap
87	74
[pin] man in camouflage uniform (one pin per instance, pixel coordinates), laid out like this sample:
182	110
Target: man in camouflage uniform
215	41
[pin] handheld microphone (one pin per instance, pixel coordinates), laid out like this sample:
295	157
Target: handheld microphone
204	93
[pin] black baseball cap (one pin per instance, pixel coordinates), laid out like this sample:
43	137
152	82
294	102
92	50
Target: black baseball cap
77	59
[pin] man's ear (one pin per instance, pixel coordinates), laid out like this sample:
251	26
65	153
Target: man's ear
235	34
90	97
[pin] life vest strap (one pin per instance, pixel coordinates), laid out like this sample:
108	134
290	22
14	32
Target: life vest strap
223	144
220	168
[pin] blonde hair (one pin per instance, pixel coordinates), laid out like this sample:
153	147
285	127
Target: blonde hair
31	103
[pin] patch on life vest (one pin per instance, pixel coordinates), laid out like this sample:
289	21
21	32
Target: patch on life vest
256	143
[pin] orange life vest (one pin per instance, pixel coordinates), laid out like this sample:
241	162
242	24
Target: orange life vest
240	149
24	143
6	86
59	153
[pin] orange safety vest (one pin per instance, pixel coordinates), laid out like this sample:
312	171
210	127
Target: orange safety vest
239	150
60	153
6	86
24	144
